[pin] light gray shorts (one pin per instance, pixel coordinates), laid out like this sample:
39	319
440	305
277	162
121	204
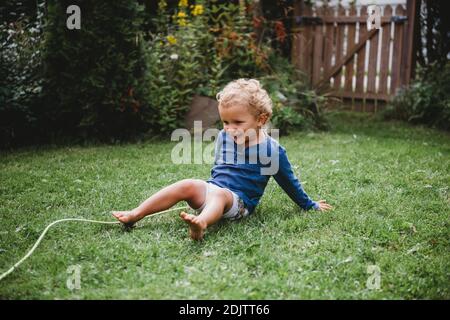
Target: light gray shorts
237	210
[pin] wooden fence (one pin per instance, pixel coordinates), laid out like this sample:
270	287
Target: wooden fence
338	54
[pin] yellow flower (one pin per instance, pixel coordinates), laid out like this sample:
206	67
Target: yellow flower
198	10
182	16
183	3
182	22
171	39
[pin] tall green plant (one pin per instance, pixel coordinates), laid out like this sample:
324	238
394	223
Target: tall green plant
94	77
21	78
426	100
182	62
236	42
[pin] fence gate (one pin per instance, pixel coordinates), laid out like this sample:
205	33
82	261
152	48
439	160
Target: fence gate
334	48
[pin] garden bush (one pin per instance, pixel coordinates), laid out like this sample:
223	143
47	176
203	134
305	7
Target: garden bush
197	49
295	105
21	70
129	71
95	83
180	61
426	100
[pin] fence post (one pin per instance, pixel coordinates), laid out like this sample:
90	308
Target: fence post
300	46
409	57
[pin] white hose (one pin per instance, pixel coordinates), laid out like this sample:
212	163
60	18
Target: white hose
69	219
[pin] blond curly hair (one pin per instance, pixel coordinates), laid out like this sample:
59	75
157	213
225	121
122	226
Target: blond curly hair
246	92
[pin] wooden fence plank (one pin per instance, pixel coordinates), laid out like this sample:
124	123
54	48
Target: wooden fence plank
362	95
349	69
297	34
308	43
319	45
340	39
373	61
318	50
360	63
352	20
385	52
329	40
356	48
411	29
398	47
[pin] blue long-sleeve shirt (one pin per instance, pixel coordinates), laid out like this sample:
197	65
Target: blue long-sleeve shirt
246	171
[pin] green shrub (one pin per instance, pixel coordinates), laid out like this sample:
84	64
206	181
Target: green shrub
286	119
180	57
295	105
197	48
235	42
95	84
426	100
21	80
200	53
114	78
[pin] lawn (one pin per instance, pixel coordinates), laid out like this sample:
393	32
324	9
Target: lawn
389	184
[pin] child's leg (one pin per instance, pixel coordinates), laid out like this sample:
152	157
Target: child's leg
218	202
191	190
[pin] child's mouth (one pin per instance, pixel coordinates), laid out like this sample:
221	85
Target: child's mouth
237	139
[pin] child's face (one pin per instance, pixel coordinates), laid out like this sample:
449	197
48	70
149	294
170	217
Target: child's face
240	124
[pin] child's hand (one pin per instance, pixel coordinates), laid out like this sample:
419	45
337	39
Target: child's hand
323	205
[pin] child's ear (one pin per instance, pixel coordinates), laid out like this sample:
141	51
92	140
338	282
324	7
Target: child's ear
262	119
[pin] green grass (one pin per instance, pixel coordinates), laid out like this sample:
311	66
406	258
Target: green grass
389	184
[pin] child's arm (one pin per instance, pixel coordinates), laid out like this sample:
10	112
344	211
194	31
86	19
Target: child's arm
287	180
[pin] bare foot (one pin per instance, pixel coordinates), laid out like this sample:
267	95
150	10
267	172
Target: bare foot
128	218
196	226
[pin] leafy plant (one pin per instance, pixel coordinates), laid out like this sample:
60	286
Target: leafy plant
21	80
180	58
133	72
426	100
94	77
295	106
199	53
236	42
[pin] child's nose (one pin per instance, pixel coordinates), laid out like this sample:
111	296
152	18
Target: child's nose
232	131
229	128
